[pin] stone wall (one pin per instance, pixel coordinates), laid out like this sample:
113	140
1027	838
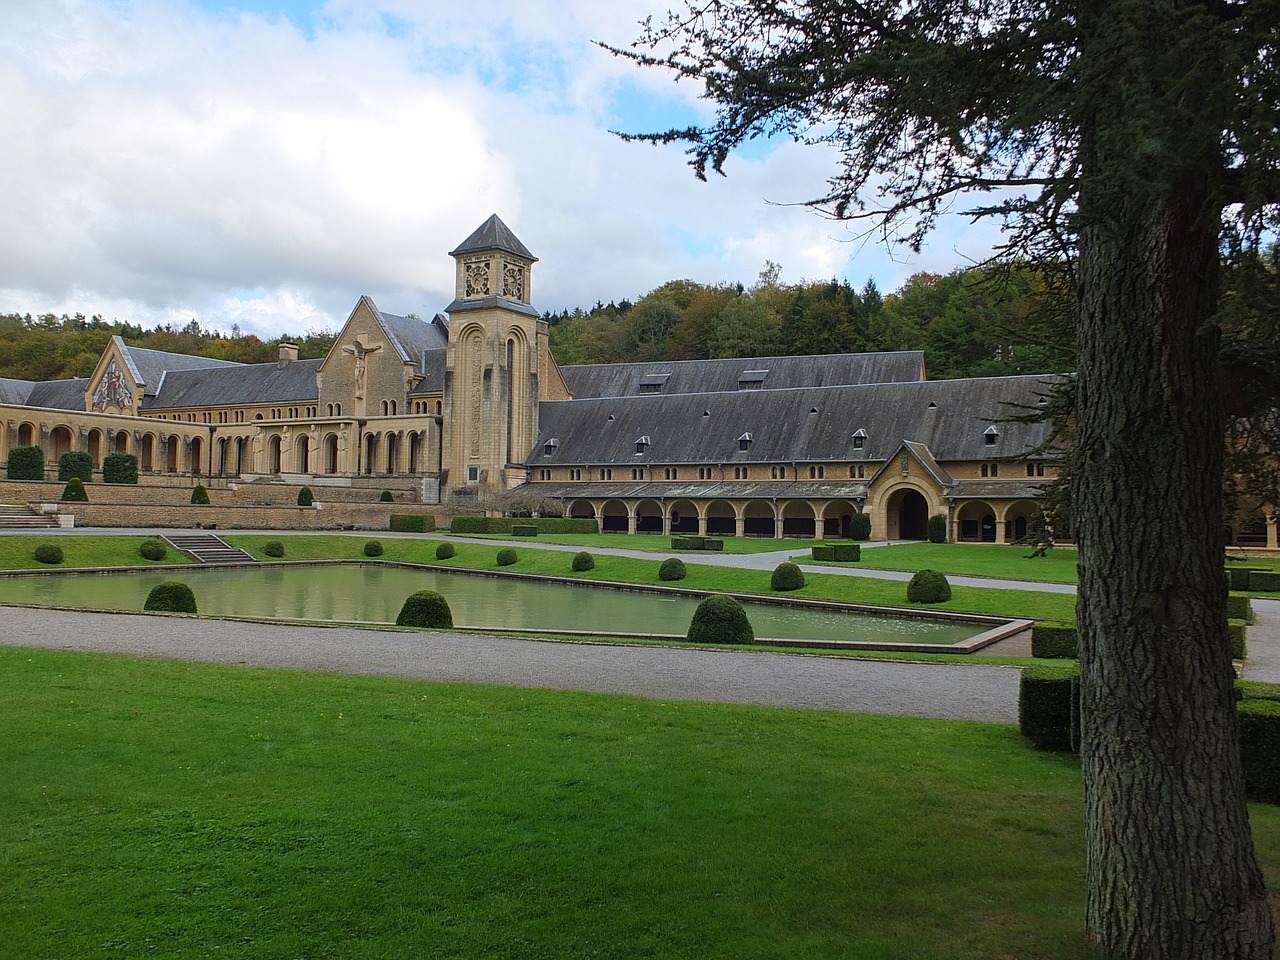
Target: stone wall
338	516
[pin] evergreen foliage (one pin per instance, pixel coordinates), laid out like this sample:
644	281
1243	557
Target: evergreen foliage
928	586
172	596
411	522
672	569
200	495
860	526
153	550
74	491
506	557
305	497
720	619
386	497
75	463
426	610
119	468
582	562
445	550
273	548
48	553
787	576
936	528
25	463
373	548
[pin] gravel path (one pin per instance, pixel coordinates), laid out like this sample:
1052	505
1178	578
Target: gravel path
1263	639
941	691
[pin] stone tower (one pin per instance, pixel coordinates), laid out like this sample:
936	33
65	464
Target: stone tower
497	362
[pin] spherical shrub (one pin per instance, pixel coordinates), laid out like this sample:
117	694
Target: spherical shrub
720	619
928	586
445	550
672	569
74	491
583	562
787	576
48	553
273	548
506	557
373	548
153	550
172	596
200	495
425	609
305	497
386	496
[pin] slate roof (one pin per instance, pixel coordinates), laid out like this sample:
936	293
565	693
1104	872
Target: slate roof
493	234
243	383
149	366
766	373
410	336
804	425
15	392
58	394
706	490
432	366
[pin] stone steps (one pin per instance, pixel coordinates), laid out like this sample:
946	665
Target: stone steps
207	548
20	517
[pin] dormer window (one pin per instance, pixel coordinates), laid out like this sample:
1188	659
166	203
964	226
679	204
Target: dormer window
744	442
752	379
989	436
859	439
642	444
932	405
653	382
549	447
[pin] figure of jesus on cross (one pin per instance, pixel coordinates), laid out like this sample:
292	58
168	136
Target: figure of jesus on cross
360	351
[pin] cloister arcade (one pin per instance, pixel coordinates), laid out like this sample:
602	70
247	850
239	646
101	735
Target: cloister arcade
809	519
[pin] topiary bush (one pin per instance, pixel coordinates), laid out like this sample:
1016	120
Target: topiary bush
672	569
172	596
153	550
74	491
582	562
119	468
25	463
786	576
1045	712
200	495
48	553
928	586
1260	748
426	609
273	548
1052	640
305	497
860	526
386	497
720	619
445	550
75	463
506	557
936	529
373	548
411	522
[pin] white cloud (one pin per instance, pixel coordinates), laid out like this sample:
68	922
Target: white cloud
163	160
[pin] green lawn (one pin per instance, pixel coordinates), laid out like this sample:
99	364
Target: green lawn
78	551
160	808
654	543
975	560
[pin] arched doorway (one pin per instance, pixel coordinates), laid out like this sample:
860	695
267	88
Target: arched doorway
911	511
798	520
273	454
146	453
60	440
648	517
331	453
121	442
26	435
93	446
613	517
197	456
722	519
582	509
758	519
174	448
302	454
976	522
684	517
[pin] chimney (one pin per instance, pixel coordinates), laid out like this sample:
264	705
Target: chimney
288	353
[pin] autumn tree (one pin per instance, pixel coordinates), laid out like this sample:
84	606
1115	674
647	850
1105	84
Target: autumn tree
1125	139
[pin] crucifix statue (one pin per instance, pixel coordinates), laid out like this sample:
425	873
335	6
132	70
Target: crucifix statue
359	351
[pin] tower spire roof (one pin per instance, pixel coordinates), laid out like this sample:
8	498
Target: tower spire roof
493	234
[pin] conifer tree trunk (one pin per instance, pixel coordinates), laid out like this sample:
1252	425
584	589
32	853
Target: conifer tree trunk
1172	870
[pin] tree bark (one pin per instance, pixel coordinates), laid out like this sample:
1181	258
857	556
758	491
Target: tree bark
1172	870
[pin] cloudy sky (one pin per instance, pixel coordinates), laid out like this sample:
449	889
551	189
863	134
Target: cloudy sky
265	162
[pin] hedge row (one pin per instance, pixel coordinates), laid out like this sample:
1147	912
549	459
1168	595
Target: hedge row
411	522
75	463
696	543
524	530
838	552
1060	641
1253	578
542	524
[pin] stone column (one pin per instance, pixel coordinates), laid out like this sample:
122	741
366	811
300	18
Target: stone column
631	519
1273	539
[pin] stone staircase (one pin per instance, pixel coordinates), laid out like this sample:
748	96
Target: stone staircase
21	517
207	548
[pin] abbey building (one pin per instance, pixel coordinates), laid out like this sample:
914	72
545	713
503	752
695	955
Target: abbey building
473	401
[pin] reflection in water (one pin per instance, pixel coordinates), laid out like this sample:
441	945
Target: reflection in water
374	594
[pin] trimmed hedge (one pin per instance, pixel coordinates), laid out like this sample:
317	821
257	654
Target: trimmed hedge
507	556
1238	577
1239	607
1260	748
373	548
427	610
273	548
172	596
386	497
860	526
523	530
153	550
936	528
25	463
200	495
75	463
1264	580
1046	715
582	562
837	552
305	497
928	586
672	569
74	491
119	468
445	550
48	553
543	524
786	576
1055	640
1235	633
720	619
696	543
411	522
